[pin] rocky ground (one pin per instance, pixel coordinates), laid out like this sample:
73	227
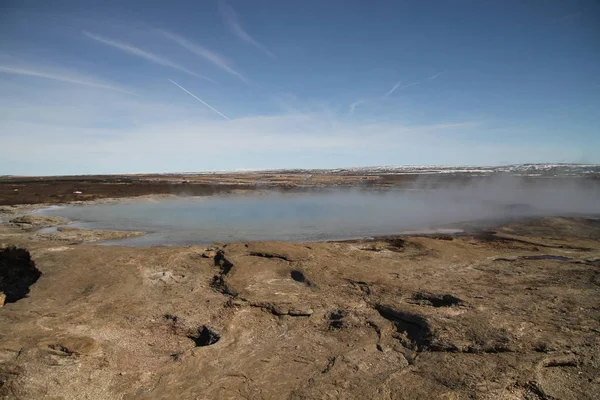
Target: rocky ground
508	313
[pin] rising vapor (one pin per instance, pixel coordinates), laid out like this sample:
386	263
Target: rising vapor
199	99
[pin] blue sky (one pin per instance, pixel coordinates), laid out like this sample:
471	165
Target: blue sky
155	86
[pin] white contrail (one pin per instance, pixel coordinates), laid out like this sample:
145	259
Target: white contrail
199	99
434	76
354	105
232	21
392	90
135	51
60	77
399	86
410	84
215	58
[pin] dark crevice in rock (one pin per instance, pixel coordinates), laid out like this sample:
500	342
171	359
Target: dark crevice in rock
218	283
533	388
437	300
493	349
330	364
414	331
536	257
396	244
223	263
269	255
270	308
17	273
204	336
62	350
299	276
170	317
547	257
336	319
173	322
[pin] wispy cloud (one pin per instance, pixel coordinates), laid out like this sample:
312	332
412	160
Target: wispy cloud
95	134
409	84
62	77
217	59
353	106
199	99
231	19
135	51
393	89
434	76
399	86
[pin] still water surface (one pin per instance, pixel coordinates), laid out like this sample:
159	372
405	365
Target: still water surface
298	217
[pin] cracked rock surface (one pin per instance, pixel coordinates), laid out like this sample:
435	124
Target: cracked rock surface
506	314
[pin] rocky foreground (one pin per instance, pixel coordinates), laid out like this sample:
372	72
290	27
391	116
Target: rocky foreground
512	313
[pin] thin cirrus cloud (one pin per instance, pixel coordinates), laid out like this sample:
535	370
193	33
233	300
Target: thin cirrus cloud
393	89
354	105
135	51
397	86
400	86
67	77
215	58
232	21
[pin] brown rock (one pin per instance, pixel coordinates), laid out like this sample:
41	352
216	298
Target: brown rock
70	345
209	254
37	221
439	319
299	311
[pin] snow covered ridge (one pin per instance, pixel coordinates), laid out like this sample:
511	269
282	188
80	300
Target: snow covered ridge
515	169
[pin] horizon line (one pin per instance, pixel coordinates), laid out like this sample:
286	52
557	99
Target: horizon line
251	170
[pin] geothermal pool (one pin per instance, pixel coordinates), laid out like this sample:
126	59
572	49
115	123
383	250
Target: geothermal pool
313	216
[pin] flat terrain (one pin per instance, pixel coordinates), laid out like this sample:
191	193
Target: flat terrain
56	190
509	312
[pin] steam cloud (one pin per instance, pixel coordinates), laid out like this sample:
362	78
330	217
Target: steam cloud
324	215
